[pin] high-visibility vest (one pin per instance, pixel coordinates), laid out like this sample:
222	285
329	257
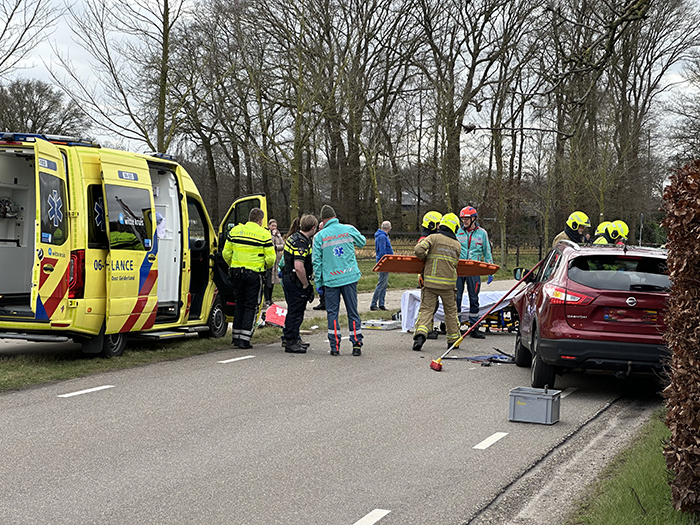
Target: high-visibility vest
249	246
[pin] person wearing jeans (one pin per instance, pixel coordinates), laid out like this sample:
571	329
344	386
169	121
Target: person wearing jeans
335	265
382	247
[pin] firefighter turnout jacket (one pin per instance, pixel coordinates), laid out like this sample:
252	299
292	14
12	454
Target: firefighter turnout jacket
249	246
440	251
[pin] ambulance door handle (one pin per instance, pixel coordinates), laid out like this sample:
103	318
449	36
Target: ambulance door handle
151	257
48	268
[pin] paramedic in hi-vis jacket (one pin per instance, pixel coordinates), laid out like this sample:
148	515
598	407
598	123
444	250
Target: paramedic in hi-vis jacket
440	251
248	252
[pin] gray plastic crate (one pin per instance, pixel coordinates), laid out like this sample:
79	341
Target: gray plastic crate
534	405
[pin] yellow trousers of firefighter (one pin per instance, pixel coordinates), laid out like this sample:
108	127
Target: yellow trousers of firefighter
428	302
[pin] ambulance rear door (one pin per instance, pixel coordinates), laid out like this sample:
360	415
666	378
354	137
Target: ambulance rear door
238	213
50	275
132	262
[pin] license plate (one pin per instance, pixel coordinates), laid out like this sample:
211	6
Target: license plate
630	316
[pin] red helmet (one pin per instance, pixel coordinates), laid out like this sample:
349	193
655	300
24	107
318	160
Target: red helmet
468	211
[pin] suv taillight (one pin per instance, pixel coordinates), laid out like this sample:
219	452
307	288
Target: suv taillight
76	274
558	295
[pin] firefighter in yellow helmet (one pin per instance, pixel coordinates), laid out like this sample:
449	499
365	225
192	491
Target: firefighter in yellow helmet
600	231
248	252
575	224
616	232
431	221
440	251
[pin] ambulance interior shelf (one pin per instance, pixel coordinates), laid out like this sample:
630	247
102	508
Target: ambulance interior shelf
412	264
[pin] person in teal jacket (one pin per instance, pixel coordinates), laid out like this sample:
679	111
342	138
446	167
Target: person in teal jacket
335	265
475	246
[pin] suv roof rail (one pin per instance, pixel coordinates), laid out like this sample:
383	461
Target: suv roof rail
570	243
54	139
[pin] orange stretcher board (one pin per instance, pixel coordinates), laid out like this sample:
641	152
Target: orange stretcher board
412	264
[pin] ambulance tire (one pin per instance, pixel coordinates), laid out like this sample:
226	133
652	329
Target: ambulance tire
218	326
113	345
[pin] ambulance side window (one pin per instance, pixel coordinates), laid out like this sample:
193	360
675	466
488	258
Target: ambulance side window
97	227
130	218
54	208
197	233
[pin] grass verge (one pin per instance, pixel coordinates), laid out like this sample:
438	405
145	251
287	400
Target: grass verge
634	488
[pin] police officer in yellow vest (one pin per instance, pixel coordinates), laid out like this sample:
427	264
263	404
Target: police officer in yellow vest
248	252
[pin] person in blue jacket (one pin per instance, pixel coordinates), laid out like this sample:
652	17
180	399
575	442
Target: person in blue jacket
382	247
335	264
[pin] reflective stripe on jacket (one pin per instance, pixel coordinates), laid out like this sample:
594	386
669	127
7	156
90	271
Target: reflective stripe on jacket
440	252
249	246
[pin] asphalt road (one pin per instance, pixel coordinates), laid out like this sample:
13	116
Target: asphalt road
263	437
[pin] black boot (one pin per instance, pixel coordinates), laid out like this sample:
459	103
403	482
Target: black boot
418	342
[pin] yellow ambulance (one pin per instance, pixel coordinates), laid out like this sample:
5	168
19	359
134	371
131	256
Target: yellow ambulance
97	244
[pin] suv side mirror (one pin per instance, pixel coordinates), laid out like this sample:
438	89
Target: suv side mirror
519	273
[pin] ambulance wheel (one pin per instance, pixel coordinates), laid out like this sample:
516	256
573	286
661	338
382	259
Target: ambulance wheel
217	322
114	345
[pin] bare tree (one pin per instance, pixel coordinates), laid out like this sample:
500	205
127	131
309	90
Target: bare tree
33	106
128	92
23	24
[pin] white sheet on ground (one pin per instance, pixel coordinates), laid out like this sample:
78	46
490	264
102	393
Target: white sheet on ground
410	304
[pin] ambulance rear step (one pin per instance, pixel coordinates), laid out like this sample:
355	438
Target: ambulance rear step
38	338
171	334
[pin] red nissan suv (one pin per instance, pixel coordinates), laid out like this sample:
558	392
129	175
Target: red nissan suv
593	307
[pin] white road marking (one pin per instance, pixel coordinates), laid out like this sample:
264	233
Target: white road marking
87	391
490	440
568	391
372	517
237	359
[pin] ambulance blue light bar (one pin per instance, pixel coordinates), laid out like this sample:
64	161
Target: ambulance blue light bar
54	139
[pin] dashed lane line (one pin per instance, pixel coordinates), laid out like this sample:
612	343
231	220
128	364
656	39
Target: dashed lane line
490	440
97	388
372	517
236	359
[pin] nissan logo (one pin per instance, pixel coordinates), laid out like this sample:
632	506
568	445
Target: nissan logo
631	301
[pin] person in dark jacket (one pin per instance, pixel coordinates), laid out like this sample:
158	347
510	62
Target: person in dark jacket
382	247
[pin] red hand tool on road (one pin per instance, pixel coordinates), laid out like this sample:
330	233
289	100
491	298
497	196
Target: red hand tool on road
436	364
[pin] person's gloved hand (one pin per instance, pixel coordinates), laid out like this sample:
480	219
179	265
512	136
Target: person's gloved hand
489	280
310	293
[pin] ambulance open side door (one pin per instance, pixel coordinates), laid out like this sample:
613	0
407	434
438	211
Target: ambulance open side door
238	213
132	258
50	275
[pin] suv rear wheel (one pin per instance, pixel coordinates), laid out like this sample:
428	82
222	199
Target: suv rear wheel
542	374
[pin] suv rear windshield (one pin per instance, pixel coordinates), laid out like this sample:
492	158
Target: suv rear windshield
613	272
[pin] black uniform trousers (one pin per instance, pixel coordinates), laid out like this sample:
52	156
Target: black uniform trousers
247	286
296	298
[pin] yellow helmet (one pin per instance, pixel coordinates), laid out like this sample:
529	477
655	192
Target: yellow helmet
576	219
619	230
451	221
432	219
600	230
